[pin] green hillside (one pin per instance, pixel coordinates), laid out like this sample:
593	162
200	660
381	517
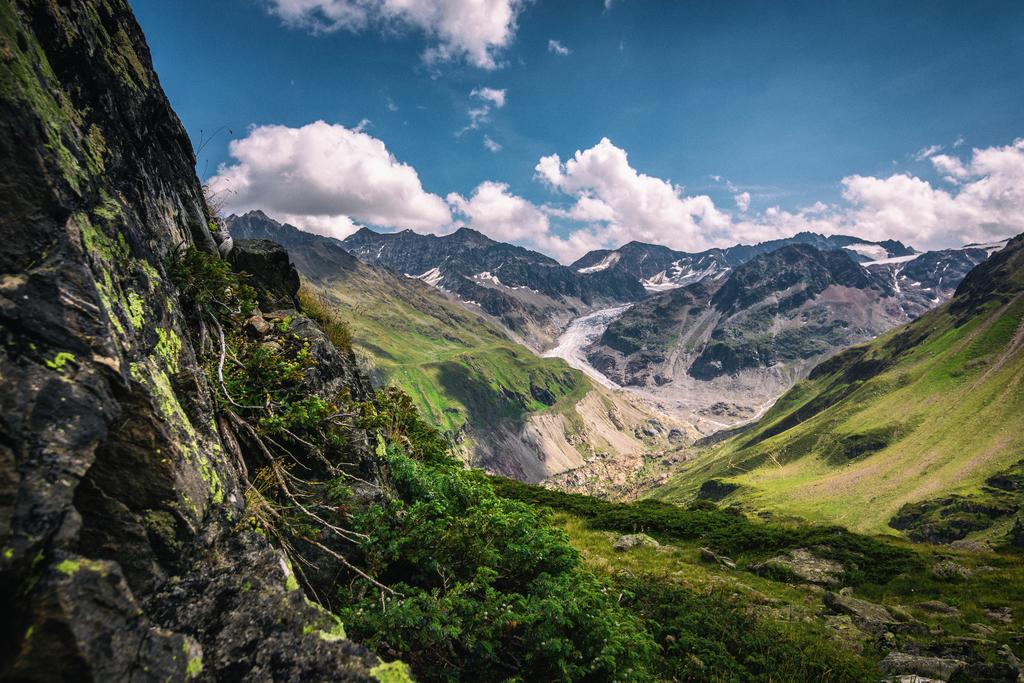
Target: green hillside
458	367
933	411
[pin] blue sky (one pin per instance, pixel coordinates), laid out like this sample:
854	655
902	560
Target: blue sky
782	101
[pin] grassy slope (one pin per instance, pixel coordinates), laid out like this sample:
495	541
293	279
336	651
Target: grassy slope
457	366
895	573
947	414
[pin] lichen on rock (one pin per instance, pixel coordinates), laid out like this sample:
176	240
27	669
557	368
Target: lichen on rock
121	488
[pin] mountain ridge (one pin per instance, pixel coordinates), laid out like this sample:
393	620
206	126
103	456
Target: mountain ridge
529	293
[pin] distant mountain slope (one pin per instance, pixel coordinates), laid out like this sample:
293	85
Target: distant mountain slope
925	280
508	410
660	268
922	428
531	294
723	347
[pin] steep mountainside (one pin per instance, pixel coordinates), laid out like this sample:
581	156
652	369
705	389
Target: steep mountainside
530	294
721	349
919	430
660	268
124	491
508	411
925	280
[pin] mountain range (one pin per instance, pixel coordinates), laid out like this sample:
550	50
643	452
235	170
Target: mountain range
504	408
659	268
725	347
711	338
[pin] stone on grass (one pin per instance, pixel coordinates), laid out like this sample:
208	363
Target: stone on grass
630	541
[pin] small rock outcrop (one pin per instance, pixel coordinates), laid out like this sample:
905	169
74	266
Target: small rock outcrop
709	556
936	668
269	263
869	616
804	565
631	541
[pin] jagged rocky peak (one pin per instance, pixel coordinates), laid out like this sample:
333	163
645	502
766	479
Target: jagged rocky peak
793	272
660	268
123	489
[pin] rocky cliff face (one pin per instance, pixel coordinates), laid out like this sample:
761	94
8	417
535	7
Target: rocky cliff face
124	556
722	349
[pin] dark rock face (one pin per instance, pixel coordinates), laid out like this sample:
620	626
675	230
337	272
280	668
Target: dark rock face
117	486
269	264
780	309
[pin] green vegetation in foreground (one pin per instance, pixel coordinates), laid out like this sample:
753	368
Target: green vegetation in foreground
931	409
457	582
465	578
458	367
715	623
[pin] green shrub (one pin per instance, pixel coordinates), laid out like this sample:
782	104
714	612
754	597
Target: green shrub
489	590
208	286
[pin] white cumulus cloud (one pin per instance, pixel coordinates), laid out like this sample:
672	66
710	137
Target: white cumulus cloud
325	178
491	145
630	205
471	30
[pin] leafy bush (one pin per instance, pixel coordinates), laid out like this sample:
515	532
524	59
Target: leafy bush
488	590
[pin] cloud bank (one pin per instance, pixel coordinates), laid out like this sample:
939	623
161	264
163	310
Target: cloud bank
472	30
330	179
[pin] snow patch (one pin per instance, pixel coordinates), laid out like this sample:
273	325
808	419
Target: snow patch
664	280
607	262
659	283
487	276
431	277
894	259
990	247
875	252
